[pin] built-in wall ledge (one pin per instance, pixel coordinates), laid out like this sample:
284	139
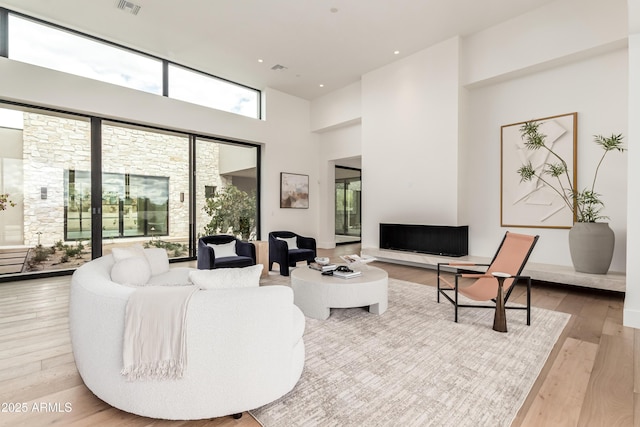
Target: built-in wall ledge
612	281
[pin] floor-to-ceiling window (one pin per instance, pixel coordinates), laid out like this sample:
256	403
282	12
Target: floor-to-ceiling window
147	188
348	191
38	149
72	186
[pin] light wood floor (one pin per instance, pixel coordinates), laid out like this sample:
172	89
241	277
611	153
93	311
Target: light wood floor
587	381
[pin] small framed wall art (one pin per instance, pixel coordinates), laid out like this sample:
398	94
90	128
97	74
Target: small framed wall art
294	190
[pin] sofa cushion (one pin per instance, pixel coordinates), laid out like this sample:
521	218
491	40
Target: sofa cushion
223	249
158	260
233	262
222	278
177	276
292	242
127	252
131	271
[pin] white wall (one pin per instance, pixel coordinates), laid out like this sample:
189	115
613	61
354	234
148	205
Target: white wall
410	141
431	122
338	108
236	158
344	142
569	55
597	89
288	145
335	118
556	32
632	300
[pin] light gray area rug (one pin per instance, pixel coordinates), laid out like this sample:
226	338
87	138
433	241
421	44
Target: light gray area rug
413	366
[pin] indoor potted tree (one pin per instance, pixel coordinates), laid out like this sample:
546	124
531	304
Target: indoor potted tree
231	210
590	242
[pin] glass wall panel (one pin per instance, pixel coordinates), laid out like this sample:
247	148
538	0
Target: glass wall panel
348	216
50	47
226	189
145	188
199	88
46	189
37	152
78	204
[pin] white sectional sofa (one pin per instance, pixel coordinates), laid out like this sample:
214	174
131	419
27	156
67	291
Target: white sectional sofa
244	346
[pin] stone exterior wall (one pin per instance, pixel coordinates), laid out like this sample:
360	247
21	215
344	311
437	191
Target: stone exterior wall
207	154
133	151
52	145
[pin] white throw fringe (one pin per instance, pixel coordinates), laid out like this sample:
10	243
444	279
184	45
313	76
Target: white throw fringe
161	370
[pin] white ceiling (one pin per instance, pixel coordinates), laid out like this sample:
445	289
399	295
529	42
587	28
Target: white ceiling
329	42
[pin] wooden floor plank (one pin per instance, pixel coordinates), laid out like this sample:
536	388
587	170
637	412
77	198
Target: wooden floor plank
40	384
55	340
609	396
592	314
559	401
28	327
42	354
38	330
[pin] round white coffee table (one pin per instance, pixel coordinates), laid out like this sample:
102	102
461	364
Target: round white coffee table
316	294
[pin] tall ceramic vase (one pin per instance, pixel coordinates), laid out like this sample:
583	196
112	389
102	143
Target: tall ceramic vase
591	246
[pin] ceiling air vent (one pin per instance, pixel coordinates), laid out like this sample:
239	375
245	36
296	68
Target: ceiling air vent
127	6
278	67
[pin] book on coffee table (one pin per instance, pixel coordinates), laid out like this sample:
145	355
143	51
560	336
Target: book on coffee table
356	259
347	274
322	267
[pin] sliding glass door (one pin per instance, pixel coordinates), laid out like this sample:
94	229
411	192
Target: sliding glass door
73	187
145	188
226	194
45	223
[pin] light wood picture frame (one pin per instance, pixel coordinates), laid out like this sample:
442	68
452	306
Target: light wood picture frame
294	190
533	203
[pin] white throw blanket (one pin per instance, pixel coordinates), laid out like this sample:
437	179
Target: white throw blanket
154	344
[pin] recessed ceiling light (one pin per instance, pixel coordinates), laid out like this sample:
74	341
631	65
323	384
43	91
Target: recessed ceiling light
396	52
321	85
260	60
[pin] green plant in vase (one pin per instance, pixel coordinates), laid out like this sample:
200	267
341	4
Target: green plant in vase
591	243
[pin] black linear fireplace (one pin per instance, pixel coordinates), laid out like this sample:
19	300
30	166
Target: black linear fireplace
427	239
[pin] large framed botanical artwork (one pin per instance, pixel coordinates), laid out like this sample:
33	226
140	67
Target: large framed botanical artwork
533	203
294	190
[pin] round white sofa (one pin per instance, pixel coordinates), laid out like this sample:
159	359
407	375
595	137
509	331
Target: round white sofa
244	346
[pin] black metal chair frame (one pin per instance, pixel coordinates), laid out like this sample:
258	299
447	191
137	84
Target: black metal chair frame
516	278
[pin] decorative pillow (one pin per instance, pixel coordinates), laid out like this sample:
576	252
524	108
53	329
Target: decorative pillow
292	242
226	278
131	271
158	260
224	249
127	252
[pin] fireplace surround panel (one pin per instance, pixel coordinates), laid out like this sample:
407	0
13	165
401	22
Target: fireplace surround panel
428	239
